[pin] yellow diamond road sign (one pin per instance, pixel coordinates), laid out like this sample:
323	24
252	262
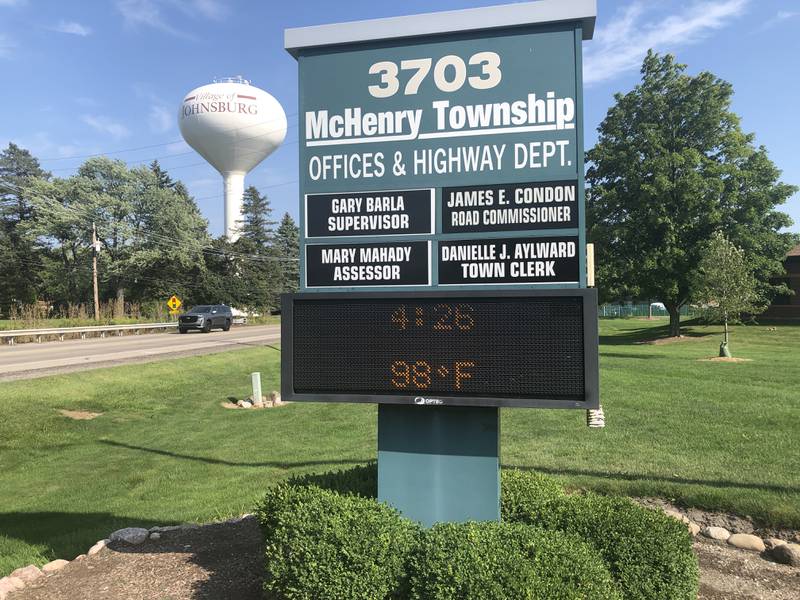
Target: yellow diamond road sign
174	303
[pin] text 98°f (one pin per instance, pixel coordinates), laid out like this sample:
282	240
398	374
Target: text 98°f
420	374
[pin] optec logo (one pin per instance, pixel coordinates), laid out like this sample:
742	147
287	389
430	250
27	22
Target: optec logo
427	401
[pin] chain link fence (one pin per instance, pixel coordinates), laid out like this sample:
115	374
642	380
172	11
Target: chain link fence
643	309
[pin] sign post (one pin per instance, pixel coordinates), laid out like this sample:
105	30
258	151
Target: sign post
443	264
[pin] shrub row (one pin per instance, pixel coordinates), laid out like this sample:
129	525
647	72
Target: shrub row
327	538
320	544
506	561
648	553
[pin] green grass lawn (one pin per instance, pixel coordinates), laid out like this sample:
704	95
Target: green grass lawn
715	435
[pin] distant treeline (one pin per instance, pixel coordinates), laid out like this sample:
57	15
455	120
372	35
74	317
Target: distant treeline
153	241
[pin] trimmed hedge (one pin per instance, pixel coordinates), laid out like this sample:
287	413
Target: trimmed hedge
361	480
648	553
338	542
320	544
506	561
527	496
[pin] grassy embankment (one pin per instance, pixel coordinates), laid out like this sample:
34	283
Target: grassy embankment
715	435
8	324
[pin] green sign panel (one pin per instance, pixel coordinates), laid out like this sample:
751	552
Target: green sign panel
481	130
441	167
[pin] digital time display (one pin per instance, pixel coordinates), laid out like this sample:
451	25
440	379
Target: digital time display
531	348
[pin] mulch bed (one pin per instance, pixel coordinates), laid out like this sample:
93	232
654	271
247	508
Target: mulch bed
225	561
211	562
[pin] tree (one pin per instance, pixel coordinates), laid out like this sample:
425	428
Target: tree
287	251
163	180
20	256
726	287
256	223
63	226
671	167
171	237
255	265
152	237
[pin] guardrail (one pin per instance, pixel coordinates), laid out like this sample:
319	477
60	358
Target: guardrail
12	334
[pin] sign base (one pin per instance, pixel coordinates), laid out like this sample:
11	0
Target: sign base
438	464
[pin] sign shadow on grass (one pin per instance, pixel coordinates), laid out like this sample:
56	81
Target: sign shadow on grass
769	487
229	463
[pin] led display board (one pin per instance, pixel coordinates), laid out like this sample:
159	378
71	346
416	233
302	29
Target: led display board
530	348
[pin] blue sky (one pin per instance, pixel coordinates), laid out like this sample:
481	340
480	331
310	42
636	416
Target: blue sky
104	76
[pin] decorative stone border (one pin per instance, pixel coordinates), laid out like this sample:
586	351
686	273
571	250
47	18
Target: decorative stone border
133	536
780	551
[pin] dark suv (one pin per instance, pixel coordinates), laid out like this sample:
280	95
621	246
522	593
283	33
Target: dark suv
205	318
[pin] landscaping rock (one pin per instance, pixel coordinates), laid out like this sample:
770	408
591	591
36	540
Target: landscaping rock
165	528
676	515
130	535
97	547
9	584
772	542
275	398
155	536
694	528
246	404
239	402
27	574
55	565
259	402
717	533
786	554
746	541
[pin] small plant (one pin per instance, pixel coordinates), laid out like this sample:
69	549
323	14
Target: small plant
726	286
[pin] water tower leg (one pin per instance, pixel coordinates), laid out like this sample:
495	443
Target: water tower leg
234	190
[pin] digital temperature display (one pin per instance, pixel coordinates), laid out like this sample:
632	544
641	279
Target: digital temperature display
516	348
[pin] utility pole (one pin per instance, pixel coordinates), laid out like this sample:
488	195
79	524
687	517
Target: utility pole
94	273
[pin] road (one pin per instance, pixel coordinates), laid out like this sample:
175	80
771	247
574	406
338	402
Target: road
24	361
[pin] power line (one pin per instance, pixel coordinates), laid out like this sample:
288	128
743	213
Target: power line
123	150
142	161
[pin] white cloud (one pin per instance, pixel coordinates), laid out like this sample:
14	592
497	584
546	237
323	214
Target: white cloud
44	147
781	16
620	46
151	13
106	126
73	28
7	45
209	9
147	13
161	119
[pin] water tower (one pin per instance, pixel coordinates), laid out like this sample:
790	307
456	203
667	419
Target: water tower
234	126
